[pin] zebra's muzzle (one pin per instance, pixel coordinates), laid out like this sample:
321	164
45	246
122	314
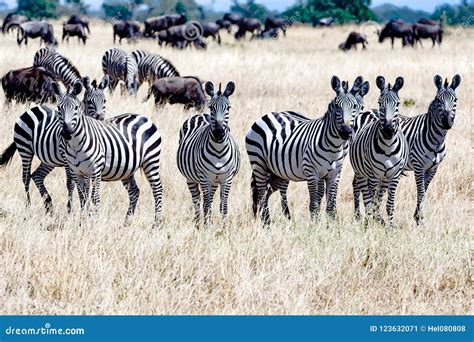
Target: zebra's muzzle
67	132
345	132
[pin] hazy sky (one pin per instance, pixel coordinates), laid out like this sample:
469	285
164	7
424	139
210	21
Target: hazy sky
223	5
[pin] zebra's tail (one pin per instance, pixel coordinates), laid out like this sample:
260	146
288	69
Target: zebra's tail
253	187
7	155
218	38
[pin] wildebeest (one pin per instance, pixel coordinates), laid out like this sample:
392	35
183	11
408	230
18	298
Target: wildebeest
211	30
352	40
178	38
268	34
425	31
327	21
29	84
224	24
184	90
397	28
34	29
156	24
251	25
13	18
78	20
74	30
276	23
129	29
233	18
429	21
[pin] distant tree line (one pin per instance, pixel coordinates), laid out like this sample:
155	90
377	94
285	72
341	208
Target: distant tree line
306	11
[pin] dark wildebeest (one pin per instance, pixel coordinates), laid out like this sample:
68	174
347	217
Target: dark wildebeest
28	84
328	22
156	24
78	20
425	31
233	18
268	34
397	28
276	23
34	29
184	90
74	30
13	18
251	25
129	29
177	36
352	40
224	24
211	30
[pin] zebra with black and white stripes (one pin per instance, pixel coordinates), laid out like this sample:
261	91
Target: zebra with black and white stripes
208	155
120	66
426	134
287	146
58	65
379	153
38	132
98	151
152	67
139	54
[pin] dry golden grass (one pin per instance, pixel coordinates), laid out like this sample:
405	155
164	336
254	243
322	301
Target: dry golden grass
52	265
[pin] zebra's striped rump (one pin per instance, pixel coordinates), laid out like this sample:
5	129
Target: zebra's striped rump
120	66
58	65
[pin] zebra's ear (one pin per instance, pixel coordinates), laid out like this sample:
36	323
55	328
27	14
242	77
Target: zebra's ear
76	88
57	89
356	86
398	84
364	88
210	89
455	82
87	82
438	81
336	84
104	83
229	89
380	81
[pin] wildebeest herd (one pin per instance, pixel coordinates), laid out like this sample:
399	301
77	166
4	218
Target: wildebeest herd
281	146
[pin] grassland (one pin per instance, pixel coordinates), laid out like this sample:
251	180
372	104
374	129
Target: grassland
53	265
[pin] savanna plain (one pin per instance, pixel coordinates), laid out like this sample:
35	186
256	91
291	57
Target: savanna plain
54	264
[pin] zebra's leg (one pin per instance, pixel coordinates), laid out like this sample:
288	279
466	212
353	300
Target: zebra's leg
26	174
392	187
70	184
96	191
112	85
38	177
196	196
429	177
265	211
332	184
378	201
225	189
359	184
420	194
133	193
281	184
208	194
315	195
259	183
371	189
83	187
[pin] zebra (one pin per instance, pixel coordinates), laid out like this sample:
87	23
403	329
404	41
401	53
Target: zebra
426	134
120	66
208	155
379	153
58	65
152	67
38	132
287	146
139	54
109	150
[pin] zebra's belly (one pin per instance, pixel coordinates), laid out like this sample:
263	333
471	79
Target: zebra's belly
427	160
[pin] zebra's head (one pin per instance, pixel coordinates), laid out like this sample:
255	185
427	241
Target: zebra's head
444	104
94	97
347	104
69	107
388	105
131	74
219	106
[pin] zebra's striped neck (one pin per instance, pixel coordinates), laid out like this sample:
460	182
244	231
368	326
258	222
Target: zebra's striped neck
330	135
217	143
385	143
78	136
436	131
